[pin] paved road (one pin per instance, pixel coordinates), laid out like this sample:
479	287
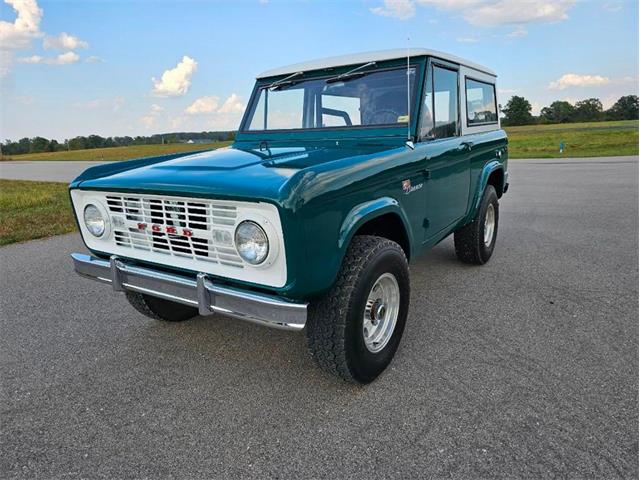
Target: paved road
526	367
52	171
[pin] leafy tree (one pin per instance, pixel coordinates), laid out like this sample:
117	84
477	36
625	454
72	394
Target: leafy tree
53	146
94	141
39	144
558	112
517	111
626	108
77	143
588	110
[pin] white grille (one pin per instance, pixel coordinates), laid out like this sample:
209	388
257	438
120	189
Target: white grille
207	244
203	229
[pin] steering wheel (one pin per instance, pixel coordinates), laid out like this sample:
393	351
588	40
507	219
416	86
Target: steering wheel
384	116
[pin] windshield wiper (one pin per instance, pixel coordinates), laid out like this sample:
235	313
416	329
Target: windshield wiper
356	72
284	81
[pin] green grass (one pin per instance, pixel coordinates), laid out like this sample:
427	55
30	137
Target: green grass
116	153
30	210
592	139
528	141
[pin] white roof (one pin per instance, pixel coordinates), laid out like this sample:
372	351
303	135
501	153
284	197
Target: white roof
366	57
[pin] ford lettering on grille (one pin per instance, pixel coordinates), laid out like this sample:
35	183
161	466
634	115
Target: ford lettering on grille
199	230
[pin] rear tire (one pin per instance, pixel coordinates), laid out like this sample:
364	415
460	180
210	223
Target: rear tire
354	330
160	309
475	241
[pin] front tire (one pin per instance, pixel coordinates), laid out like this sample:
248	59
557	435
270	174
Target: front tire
354	330
475	241
160	309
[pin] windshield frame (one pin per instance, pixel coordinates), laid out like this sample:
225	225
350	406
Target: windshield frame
418	63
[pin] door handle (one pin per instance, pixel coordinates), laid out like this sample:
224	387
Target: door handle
465	146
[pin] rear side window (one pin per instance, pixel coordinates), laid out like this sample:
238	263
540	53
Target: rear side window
481	103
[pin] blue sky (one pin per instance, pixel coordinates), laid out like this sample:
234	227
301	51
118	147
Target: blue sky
136	68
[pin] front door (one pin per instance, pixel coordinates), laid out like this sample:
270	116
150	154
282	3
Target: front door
447	154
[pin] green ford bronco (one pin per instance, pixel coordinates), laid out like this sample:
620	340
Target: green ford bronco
343	171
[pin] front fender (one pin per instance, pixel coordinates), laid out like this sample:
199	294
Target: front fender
362	213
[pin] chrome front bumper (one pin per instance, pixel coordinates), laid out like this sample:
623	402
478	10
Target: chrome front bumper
200	292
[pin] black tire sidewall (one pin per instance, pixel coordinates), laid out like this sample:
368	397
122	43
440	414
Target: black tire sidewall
169	311
364	365
489	197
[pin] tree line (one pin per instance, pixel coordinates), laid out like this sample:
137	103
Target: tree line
41	144
518	111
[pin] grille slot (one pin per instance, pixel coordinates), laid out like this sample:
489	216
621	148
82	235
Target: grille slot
208	225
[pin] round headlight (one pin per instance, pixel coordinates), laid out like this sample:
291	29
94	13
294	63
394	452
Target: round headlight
252	242
93	220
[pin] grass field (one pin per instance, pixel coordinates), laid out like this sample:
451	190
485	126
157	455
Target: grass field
529	141
30	210
117	153
581	139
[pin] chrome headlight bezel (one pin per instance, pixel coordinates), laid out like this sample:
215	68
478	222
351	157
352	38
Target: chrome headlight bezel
255	254
101	220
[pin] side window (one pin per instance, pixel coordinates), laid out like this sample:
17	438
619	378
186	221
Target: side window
440	109
481	103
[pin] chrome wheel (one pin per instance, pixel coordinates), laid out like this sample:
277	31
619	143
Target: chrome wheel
489	225
381	312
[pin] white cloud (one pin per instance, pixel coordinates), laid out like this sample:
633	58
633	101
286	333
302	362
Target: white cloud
519	32
156	109
93	59
508	12
485	13
114	104
203	105
65	58
466	40
211	105
612	6
535	108
26	27
64	41
153	118
176	81
62	59
402	9
32	59
575	80
148	121
19	34
233	104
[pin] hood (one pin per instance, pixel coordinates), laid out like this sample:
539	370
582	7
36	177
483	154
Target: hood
233	172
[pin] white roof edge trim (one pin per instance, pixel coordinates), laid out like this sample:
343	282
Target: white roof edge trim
366	57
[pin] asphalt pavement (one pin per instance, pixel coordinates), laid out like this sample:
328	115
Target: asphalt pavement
45	171
526	367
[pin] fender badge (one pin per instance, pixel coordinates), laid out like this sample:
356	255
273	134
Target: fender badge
407	188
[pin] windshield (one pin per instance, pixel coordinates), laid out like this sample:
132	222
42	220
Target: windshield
372	98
